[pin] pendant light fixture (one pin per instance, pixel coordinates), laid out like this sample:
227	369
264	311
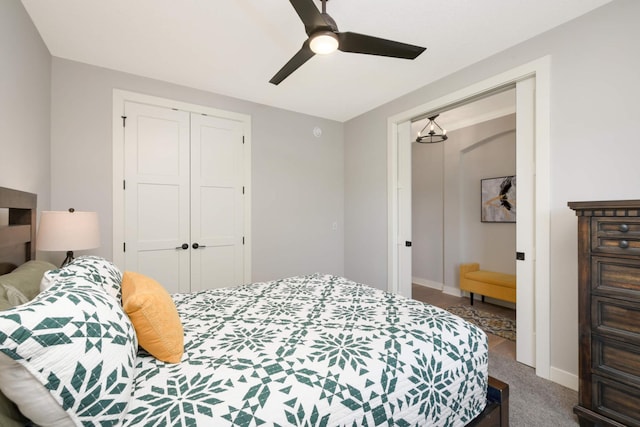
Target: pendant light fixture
432	135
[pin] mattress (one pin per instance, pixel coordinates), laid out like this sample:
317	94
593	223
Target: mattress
315	350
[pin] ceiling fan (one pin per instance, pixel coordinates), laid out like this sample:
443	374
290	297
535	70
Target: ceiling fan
324	37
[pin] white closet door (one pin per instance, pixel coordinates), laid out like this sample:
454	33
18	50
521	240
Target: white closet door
216	202
525	232
157	194
405	260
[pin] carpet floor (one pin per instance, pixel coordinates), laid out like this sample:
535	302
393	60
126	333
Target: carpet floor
534	402
488	322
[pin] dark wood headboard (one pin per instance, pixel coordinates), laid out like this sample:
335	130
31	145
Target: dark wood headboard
18	233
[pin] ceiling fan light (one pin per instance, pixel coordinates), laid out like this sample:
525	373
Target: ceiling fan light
324	42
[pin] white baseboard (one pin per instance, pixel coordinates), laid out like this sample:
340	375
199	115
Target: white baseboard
427	283
449	290
456	292
452	290
563	378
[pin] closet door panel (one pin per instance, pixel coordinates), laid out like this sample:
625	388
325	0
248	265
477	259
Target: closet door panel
216	202
158	215
163	266
218	269
156	165
158	143
218	226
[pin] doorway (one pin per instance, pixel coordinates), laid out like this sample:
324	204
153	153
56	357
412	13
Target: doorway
533	107
481	144
445	183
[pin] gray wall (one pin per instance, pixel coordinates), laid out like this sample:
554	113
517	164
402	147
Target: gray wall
488	150
297	179
447	215
427	210
594	149
25	101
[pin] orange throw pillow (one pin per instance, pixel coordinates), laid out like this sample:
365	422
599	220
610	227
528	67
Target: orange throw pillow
154	317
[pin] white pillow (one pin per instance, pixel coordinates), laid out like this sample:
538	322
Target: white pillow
39	401
48	279
14	296
98	270
77	346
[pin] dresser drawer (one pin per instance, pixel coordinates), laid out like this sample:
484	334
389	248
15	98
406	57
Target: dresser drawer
616	318
616	359
615	235
616	400
616	277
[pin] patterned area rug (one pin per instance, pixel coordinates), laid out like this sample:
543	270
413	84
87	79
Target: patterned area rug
490	323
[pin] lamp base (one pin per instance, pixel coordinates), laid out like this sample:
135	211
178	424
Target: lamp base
68	259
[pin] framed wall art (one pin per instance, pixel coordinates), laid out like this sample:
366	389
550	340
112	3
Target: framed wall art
498	197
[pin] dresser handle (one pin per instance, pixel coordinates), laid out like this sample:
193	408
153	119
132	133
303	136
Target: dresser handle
623	228
624	244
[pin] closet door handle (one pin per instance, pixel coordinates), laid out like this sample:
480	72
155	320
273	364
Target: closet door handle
184	246
196	246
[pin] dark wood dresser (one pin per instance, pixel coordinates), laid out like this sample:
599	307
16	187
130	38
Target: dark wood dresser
609	312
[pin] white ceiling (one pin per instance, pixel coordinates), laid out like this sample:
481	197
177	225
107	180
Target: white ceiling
233	47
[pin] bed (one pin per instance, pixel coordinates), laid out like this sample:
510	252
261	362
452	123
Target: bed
309	350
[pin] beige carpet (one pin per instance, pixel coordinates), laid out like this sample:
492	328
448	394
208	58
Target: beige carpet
534	402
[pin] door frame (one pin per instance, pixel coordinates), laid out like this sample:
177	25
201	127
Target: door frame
540	70
119	99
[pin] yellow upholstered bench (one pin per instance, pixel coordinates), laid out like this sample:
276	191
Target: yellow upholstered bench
487	283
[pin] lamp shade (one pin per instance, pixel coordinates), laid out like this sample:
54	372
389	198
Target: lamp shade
68	231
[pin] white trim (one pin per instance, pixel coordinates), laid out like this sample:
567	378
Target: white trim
247	201
117	162
543	214
541	69
456	292
451	290
392	212
119	98
525	226
404	221
564	378
426	283
481	118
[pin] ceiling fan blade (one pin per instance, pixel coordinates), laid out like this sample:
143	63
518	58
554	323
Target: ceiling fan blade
309	14
360	43
304	54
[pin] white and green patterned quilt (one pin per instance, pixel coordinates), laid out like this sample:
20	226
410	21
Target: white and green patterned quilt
313	351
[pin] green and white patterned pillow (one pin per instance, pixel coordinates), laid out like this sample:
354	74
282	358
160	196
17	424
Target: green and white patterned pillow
96	269
79	348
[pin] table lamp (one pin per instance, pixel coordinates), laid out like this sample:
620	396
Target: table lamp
68	231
